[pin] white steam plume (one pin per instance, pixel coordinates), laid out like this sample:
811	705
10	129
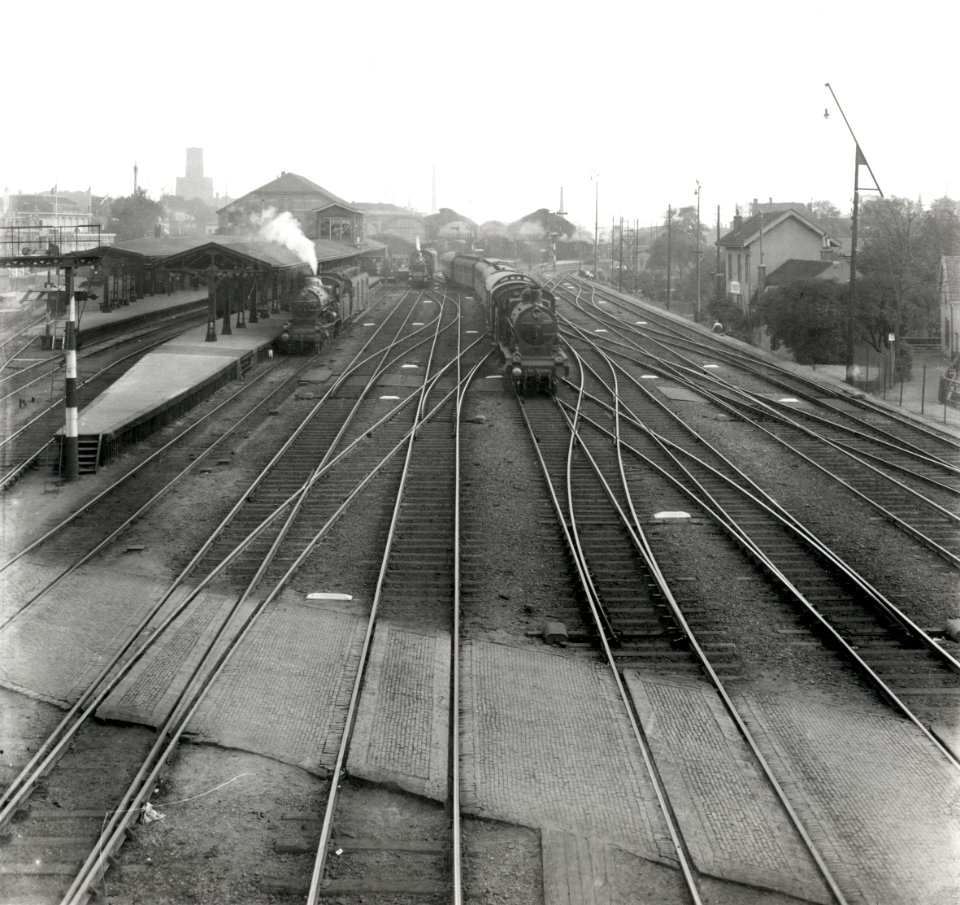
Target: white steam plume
284	229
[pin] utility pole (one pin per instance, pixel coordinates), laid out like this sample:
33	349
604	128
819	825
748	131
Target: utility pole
718	276
669	239
620	271
596	226
698	251
859	159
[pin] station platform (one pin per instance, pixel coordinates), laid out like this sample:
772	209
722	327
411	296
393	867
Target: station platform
167	382
96	325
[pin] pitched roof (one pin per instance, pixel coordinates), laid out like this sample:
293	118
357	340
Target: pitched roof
290	184
745	233
792	270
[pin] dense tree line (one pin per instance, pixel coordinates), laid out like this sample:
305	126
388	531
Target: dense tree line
898	262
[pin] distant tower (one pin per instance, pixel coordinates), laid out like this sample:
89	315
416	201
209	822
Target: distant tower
195	184
134	179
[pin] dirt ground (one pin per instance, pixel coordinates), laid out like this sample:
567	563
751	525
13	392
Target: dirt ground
232	821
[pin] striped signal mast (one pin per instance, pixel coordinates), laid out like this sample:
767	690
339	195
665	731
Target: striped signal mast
71	449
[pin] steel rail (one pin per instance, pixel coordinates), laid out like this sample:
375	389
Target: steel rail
639	540
326	828
179	717
17	469
157	453
759	367
900	486
766	502
729	524
57	741
593	602
95	348
65	730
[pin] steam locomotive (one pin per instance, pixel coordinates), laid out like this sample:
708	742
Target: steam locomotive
522	319
419	278
314	315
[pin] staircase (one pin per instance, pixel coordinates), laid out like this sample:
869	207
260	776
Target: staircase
88	453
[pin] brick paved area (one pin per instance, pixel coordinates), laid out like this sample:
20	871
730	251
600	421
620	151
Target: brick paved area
401	736
284	693
149	691
882	802
731	820
57	647
546	744
20	582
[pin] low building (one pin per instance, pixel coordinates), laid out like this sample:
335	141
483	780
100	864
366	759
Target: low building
762	243
835	271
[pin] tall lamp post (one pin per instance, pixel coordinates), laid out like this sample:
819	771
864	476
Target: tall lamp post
859	160
698	250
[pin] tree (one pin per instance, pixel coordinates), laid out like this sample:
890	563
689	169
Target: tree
809	318
900	258
824	210
134	216
683	256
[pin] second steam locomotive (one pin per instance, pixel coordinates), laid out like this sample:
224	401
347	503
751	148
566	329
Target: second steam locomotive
521	317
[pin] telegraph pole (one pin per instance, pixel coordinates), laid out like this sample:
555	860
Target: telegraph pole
718	276
669	239
620	271
596	227
859	159
698	251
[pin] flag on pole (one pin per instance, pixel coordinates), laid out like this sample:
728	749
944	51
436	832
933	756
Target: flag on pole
861	160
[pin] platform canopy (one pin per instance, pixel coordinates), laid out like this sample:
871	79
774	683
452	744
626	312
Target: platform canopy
228	254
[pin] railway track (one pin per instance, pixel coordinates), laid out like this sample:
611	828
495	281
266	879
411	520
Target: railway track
910	481
54	751
609	454
32	433
624	589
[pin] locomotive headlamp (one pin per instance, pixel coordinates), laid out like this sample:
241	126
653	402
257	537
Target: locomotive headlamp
516	373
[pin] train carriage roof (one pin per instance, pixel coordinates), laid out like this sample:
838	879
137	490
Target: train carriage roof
500	278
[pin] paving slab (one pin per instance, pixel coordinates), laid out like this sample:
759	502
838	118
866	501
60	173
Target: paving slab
58	645
284	694
883	802
21	581
546	743
402	730
730	818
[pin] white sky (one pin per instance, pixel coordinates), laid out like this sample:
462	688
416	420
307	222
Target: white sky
510	101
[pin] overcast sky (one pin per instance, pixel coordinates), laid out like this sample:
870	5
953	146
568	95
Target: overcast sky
508	101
